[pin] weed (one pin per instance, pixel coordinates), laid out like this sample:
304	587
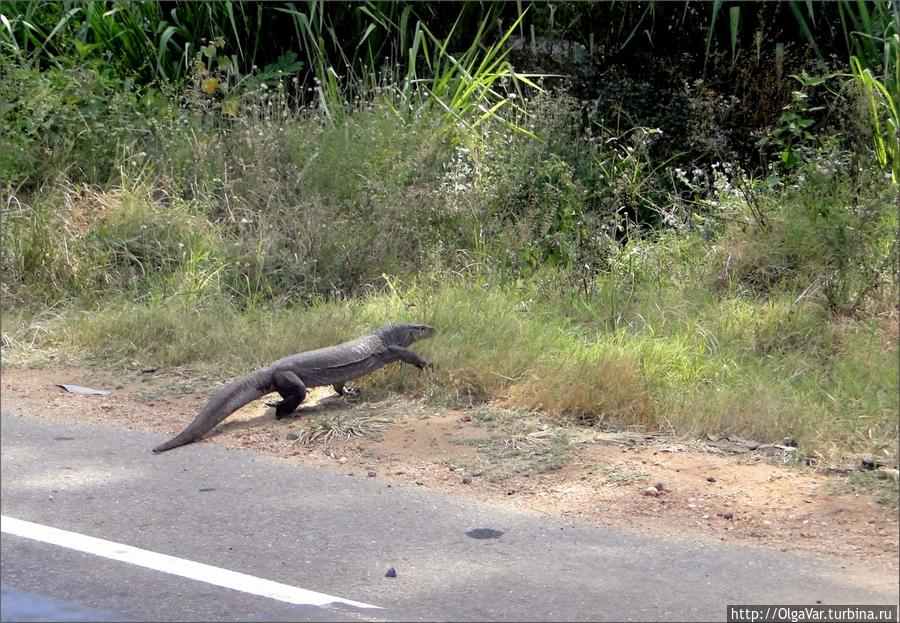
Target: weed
523	453
332	425
882	486
621	474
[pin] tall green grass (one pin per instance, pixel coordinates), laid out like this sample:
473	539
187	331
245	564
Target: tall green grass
137	38
883	104
677	359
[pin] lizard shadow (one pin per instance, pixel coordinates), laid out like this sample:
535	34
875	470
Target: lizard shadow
326	404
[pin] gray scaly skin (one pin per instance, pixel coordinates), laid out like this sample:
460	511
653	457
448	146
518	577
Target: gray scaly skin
292	376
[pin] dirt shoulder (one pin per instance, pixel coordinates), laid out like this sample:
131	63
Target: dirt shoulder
509	459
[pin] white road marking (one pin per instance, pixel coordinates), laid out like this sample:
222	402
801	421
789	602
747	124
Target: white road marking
171	564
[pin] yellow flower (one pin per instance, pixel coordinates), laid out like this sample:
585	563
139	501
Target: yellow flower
209	85
230	107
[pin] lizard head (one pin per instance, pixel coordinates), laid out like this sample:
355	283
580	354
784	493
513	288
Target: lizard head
405	334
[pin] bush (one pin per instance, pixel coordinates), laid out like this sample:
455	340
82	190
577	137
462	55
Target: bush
829	235
75	121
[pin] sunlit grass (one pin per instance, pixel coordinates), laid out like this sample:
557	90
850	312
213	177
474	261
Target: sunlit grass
710	368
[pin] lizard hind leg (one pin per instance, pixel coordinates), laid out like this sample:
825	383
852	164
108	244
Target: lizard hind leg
292	392
346	392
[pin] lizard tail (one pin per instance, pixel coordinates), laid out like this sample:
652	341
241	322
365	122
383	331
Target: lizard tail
222	404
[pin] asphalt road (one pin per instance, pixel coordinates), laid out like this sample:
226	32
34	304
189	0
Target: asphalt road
338	534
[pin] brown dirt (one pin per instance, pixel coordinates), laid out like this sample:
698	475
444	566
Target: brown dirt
777	506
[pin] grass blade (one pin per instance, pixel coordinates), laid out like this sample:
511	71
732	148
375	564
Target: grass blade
12	36
804	27
717	4
735	20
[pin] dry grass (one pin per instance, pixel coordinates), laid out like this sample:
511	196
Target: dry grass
323	428
713	366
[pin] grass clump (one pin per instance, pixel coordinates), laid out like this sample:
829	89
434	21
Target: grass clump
880	484
623	474
322	428
520	445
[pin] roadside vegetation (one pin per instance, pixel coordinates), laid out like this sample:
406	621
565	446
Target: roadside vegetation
613	234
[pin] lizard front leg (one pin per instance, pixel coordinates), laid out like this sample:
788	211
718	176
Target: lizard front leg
395	353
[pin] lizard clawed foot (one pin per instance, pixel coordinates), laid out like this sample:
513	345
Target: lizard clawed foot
345	392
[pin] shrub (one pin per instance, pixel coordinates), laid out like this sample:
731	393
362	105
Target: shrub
74	120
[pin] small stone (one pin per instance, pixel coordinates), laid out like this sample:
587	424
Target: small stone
484	533
652	492
293	436
710	479
420	483
466	480
510	492
660	487
870	461
390	573
476	474
371	474
342	460
728	516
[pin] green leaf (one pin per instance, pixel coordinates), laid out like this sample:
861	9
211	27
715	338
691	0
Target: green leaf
161	50
9	29
804	27
811	12
717	4
779	59
788	159
234	29
735	20
62	22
